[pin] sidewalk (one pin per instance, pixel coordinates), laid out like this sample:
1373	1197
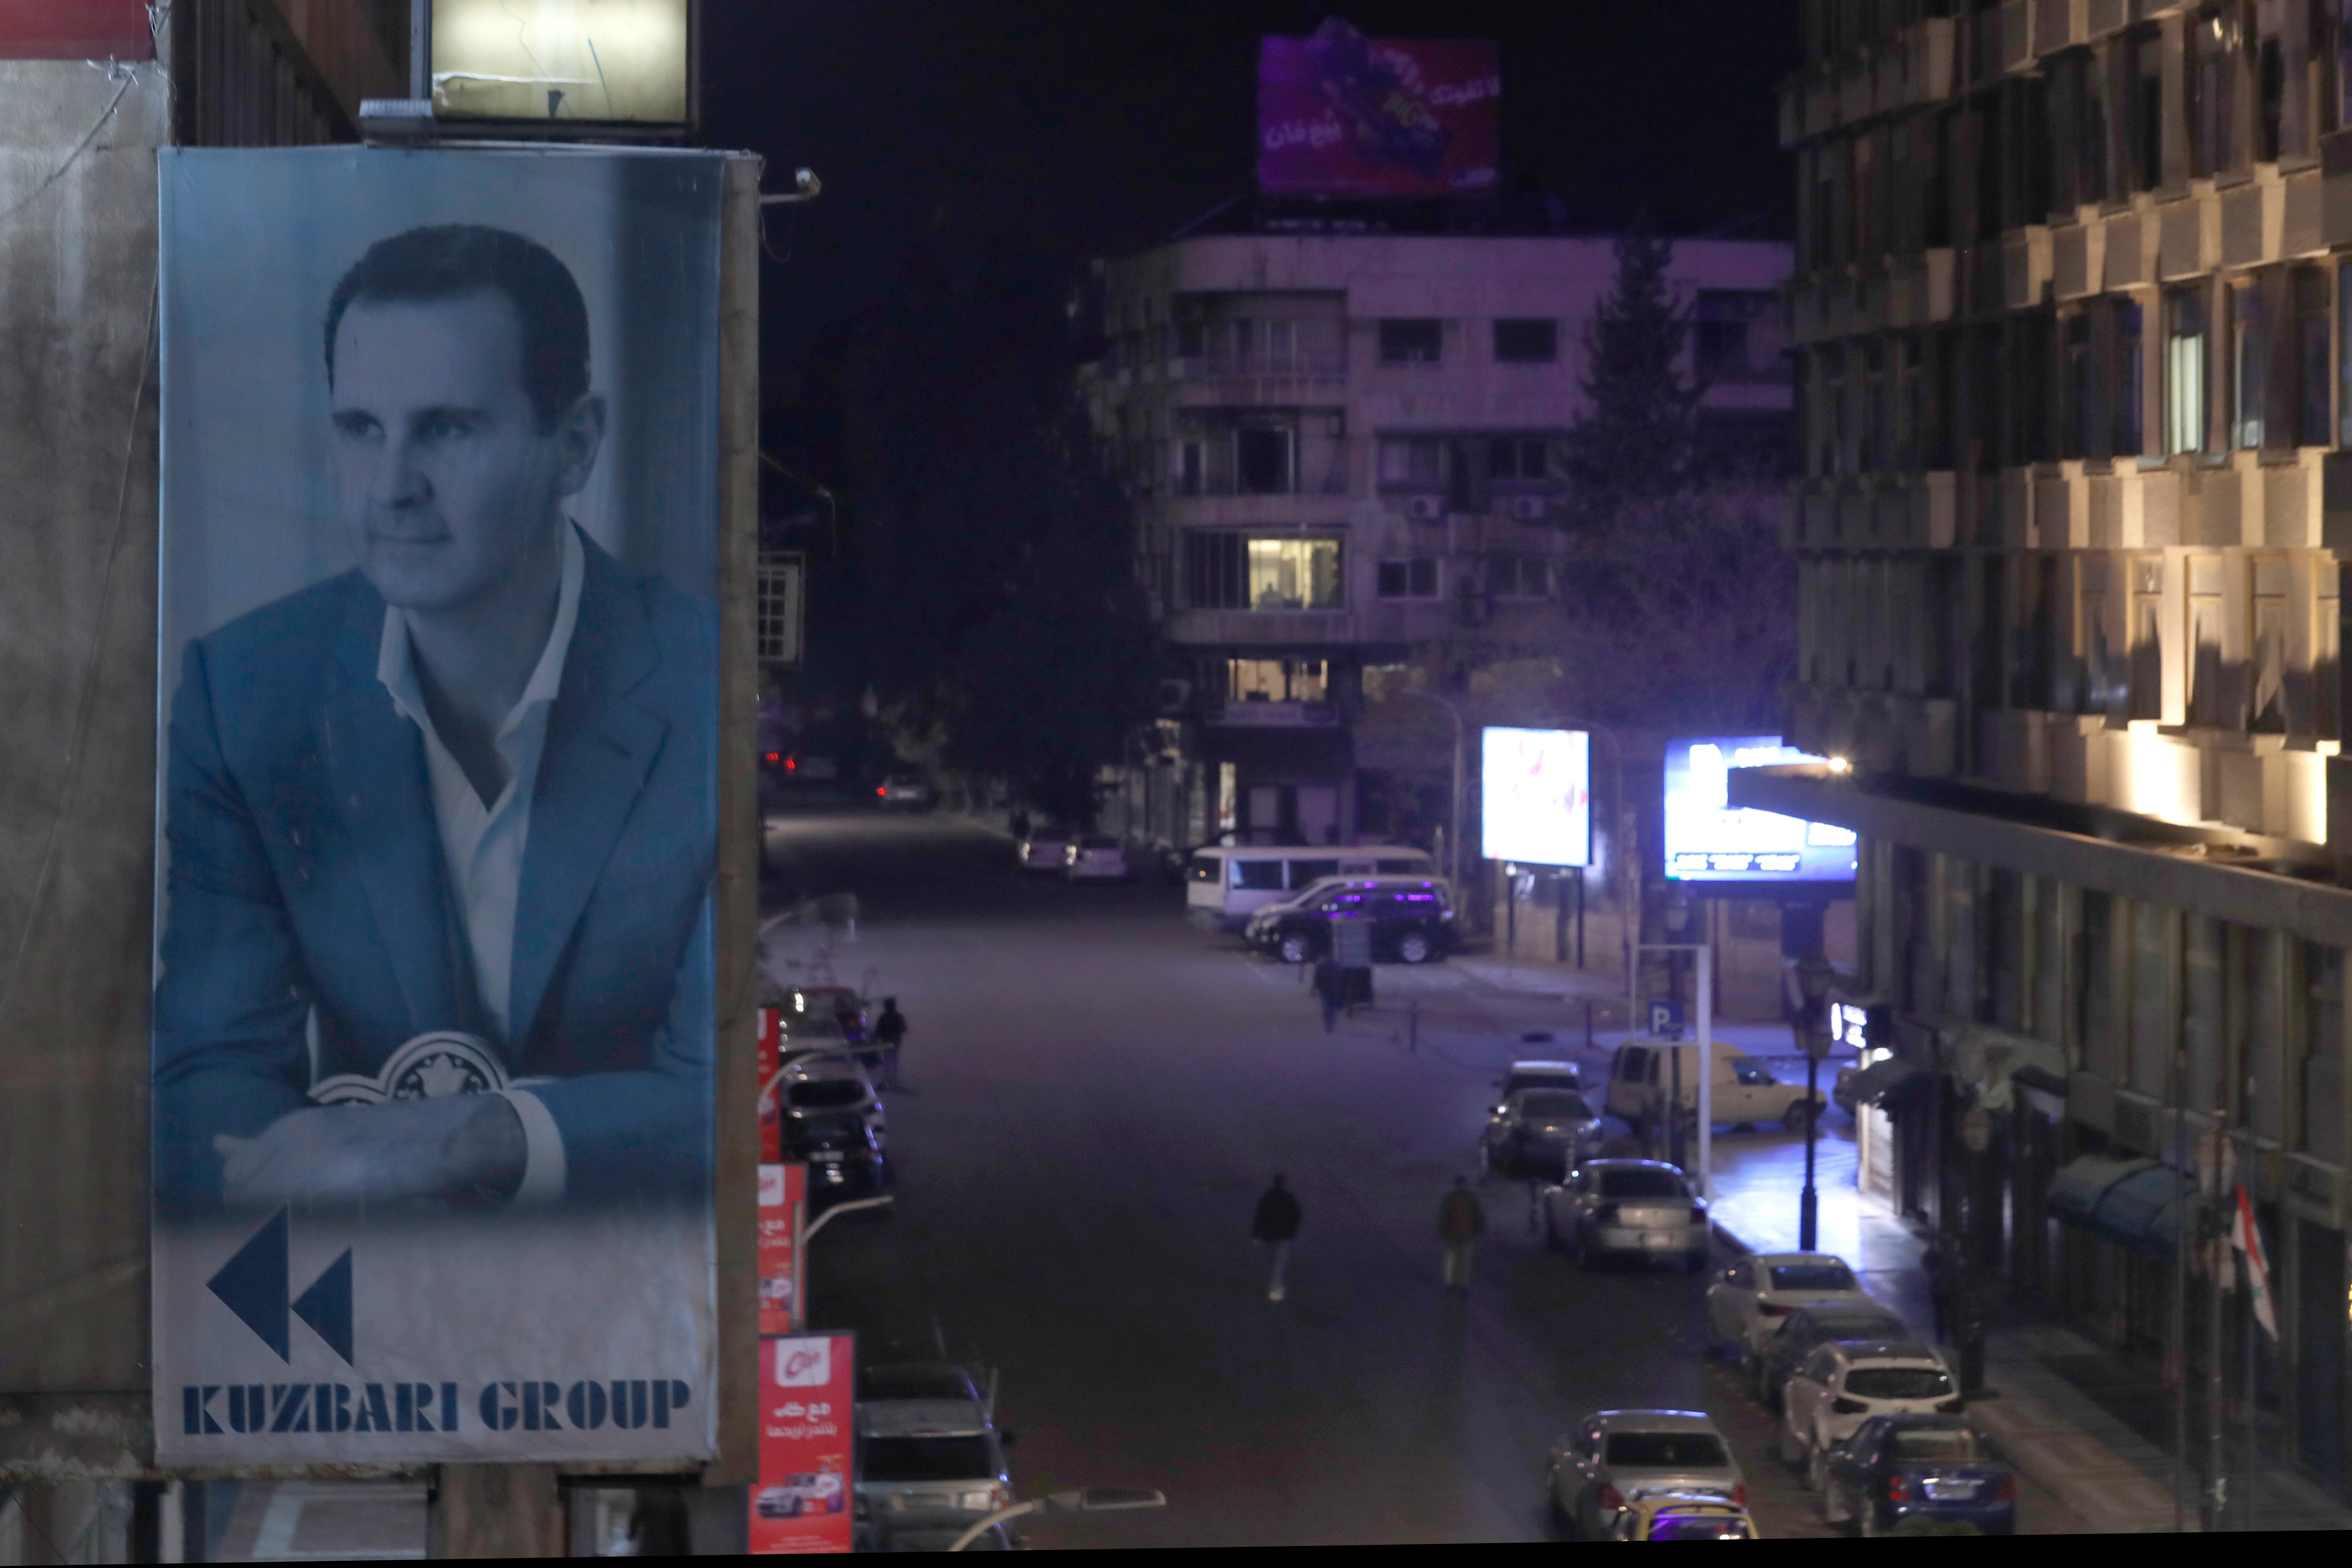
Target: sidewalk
2058	1402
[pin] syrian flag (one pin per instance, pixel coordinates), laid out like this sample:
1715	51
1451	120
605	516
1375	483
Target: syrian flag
2247	1237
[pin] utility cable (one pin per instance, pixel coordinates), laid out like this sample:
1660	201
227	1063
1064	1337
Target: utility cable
71	158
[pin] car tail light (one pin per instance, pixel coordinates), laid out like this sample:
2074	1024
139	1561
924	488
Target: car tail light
1739	1495
1611	1497
883	789
1898	1489
1846	1406
1951	1407
791	763
775	757
1771	1309
2004	1490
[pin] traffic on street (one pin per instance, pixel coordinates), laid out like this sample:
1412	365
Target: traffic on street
1092	1095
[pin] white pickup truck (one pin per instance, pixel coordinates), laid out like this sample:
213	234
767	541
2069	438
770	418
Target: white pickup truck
1643	1074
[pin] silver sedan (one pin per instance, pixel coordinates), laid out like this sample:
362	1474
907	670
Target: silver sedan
1613	1454
1638	1208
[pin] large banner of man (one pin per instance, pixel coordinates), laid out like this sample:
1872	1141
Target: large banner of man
433	1026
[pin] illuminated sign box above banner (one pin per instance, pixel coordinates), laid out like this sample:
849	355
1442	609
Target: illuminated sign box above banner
594	60
1536	795
1708	840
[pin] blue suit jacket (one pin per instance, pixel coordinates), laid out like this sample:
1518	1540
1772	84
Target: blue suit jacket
306	873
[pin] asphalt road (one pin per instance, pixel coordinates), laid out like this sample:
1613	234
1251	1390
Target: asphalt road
1096	1095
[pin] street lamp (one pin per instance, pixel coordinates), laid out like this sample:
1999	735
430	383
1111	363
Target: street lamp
1813	977
837	1210
1087	1500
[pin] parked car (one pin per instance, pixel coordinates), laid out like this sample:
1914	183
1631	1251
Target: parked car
1045	849
928	1443
825	1082
1640	1209
1811	1326
841	1151
1096	857
1614	1453
1545	1131
904	790
1412	919
1942	1468
1643	1075
1679	1516
1841	1384
928	1530
840	1003
1750	1302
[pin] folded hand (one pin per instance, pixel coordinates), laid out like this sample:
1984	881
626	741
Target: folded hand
459	1147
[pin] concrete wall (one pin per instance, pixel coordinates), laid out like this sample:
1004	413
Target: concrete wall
77	510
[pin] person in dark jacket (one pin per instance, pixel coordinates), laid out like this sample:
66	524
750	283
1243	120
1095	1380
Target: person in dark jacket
1461	1219
1275	1226
890	1031
1330	989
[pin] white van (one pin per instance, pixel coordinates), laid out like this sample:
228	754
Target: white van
1226	884
1643	1075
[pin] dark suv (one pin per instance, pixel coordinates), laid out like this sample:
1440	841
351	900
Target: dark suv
1412	919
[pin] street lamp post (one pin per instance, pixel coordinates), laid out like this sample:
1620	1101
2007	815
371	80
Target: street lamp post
1813	976
1087	1500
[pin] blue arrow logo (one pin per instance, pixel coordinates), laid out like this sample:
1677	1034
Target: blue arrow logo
256	1282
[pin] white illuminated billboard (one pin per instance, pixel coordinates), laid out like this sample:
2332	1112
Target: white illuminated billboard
1708	840
1537	796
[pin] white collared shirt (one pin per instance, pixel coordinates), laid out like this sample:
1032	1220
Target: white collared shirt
482	844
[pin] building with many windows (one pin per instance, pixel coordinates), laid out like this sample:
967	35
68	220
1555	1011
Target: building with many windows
1343	450
2070	320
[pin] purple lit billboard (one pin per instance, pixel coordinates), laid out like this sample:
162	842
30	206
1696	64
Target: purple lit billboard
1340	114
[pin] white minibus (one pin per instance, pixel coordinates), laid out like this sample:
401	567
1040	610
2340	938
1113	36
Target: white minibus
1225	884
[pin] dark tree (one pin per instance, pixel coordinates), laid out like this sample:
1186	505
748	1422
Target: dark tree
1009	638
1637	443
1678	605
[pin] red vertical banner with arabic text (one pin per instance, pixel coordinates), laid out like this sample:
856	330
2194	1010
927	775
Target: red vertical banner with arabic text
783	1198
806	1390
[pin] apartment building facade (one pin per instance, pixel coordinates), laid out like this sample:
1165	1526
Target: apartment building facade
2072	321
1344	451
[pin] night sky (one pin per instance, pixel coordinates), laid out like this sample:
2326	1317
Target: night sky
1040	133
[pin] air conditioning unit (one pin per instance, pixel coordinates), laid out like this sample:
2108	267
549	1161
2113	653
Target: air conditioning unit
1174	695
1529	509
1425	509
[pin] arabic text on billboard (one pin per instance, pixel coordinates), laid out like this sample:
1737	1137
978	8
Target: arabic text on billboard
1708	840
1535	796
434	1029
808	1390
1340	114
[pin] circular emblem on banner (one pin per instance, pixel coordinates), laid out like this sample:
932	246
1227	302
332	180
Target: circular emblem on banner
430	1066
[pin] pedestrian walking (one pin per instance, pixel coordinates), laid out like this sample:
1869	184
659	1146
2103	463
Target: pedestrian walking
1275	1227
1461	1220
889	1033
1328	982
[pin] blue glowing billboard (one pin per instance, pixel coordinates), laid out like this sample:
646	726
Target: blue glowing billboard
1709	840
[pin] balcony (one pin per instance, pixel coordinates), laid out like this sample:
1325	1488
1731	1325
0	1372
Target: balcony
1252	714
